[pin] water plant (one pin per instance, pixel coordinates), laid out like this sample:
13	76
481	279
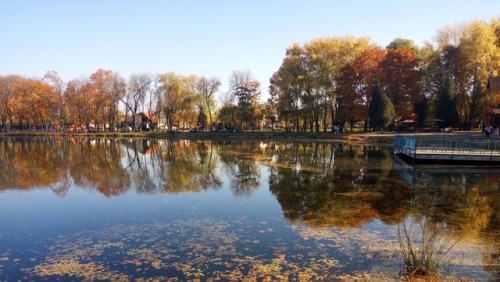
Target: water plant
426	249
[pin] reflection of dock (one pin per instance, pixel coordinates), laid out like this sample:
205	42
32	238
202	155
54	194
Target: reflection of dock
447	149
426	172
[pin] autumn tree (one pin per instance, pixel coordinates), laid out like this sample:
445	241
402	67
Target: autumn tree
310	78
246	90
356	85
7	98
79	102
467	55
289	84
401	78
156	95
103	98
327	57
178	98
57	86
273	102
206	89
43	103
76	105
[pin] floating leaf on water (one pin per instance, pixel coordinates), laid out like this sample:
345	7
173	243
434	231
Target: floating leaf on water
156	264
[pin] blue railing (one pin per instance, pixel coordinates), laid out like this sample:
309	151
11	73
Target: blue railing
406	145
449	143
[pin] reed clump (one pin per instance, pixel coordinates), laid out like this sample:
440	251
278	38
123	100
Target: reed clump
425	249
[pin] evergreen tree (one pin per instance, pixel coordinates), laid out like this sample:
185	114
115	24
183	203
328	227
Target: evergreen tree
381	110
478	102
202	119
446	105
422	110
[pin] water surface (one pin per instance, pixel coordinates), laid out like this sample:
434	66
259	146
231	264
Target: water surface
106	209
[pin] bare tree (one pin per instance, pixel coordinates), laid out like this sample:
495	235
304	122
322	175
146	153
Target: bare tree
238	77
138	87
57	86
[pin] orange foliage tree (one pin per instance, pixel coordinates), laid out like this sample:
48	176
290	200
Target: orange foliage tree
356	85
401	80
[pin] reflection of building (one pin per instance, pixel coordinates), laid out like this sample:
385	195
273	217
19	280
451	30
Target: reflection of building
145	147
492	112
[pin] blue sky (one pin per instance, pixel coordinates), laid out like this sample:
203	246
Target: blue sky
210	37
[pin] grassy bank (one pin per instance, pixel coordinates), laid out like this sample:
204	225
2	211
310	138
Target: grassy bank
277	136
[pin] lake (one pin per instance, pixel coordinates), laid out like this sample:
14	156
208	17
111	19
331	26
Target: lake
162	210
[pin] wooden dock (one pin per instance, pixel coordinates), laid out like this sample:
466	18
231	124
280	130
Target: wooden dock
447	148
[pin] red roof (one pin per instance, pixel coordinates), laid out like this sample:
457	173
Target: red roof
151	117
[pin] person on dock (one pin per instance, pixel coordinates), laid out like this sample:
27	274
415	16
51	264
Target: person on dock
487	131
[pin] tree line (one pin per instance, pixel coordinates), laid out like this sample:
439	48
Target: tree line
343	81
349	80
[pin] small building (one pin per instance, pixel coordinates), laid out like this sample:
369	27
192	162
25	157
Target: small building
492	112
146	121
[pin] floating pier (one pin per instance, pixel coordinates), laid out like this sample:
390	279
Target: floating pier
447	148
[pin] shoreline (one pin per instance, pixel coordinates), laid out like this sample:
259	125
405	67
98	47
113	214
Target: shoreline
361	138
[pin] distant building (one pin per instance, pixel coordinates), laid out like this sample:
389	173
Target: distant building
493	84
146	121
492	113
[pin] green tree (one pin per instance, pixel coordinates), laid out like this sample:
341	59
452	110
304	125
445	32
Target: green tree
202	119
446	106
422	110
381	110
247	94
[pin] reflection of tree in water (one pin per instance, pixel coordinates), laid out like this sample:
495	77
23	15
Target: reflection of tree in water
95	164
337	185
459	200
468	203
107	165
238	161
208	162
491	235
32	162
318	183
187	166
59	163
140	161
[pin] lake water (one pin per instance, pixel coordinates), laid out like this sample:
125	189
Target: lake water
163	210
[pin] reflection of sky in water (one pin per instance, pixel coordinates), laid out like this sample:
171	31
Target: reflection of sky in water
153	234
